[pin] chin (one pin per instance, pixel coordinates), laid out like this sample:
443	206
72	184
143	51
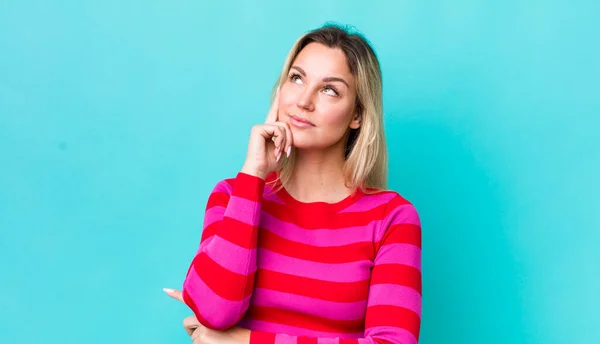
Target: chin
302	144
307	140
311	144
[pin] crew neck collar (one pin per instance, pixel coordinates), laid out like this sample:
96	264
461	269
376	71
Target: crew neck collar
319	206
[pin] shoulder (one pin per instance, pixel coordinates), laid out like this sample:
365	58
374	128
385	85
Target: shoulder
220	194
397	209
224	185
400	223
392	198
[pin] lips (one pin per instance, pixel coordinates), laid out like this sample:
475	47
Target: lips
302	120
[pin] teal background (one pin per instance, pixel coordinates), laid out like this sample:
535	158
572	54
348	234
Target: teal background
118	117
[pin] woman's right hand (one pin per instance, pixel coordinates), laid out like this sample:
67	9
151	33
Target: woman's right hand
268	144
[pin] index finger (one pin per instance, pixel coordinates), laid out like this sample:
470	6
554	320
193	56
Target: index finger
176	294
272	116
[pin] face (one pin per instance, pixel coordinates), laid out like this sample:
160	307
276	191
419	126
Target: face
318	98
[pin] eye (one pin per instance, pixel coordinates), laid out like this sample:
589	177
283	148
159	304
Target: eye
295	78
330	91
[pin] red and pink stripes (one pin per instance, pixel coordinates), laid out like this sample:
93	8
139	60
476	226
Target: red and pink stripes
219	283
295	274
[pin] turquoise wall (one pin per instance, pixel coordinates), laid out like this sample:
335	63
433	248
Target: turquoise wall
118	117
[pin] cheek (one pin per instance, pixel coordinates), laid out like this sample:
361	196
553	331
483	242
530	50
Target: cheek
333	125
337	117
287	98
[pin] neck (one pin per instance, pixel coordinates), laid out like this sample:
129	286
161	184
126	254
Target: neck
318	176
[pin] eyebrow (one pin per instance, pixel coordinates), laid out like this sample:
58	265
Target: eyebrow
327	79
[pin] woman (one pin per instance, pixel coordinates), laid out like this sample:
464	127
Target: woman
305	245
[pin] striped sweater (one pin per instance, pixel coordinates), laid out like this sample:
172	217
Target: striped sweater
320	273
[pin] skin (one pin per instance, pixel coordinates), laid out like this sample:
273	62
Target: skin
319	89
203	335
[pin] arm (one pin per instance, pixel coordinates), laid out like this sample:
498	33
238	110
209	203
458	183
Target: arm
220	279
394	306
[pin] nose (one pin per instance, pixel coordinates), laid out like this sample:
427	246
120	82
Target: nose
305	100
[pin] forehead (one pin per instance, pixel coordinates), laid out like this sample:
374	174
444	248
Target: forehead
320	61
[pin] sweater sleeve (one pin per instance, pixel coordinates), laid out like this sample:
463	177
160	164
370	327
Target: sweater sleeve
220	279
393	313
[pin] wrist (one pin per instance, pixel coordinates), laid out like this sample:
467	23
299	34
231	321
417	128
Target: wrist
253	171
240	335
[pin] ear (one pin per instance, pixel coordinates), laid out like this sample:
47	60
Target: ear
356	121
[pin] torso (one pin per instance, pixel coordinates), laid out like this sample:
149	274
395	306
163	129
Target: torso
314	264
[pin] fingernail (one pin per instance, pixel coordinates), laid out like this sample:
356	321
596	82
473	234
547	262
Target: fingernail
288	151
168	290
278	157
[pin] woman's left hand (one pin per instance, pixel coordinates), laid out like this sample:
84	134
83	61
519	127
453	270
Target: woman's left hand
203	335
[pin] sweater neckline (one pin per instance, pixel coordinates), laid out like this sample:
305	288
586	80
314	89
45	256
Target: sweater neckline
319	206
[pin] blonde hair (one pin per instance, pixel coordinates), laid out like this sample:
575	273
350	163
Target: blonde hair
366	163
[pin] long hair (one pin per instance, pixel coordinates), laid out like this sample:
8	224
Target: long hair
365	163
